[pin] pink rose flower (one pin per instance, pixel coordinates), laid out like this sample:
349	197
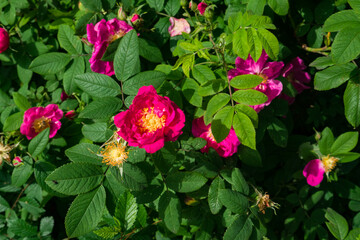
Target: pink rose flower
37	119
293	71
101	35
4	40
202	7
17	161
226	148
150	120
315	169
70	115
178	26
135	17
267	70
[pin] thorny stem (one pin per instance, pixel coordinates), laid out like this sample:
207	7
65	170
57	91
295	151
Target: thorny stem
17	199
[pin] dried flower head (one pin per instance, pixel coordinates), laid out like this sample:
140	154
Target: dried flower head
263	201
5	151
114	153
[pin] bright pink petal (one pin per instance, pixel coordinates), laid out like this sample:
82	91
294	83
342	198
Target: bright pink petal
202	7
314	172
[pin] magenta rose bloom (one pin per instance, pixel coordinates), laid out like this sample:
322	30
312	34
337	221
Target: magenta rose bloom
226	148
150	120
101	35
4	40
202	7
315	169
37	119
178	26
267	70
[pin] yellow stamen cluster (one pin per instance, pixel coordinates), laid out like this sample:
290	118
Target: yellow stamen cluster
210	135
329	163
41	124
116	36
114	154
150	121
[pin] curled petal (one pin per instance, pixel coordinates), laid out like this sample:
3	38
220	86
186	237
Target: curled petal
178	26
314	172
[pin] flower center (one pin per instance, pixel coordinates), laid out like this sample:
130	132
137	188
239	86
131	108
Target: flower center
329	163
116	36
114	154
210	135
263	76
41	124
150	121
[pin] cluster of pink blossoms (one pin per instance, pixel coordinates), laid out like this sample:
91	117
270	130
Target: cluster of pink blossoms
269	71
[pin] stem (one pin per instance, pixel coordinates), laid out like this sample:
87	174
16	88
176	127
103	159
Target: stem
17	199
163	14
317	50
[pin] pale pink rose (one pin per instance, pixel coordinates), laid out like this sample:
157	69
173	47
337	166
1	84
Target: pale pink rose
178	26
226	148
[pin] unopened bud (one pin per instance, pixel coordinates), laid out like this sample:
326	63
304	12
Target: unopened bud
17	162
193	6
134	18
209	13
121	14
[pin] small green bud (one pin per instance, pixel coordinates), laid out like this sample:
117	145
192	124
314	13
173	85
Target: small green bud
184	3
121	14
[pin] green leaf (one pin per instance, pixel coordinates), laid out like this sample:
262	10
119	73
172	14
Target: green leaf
313	200
3	204
240	229
254	43
256	6
220	126
147	78
188	64
280	7
13	122
75	178
346	45
22	228
107	232
212	87
246	81
68	40
85	212
347	157
172	7
352	103
126	210
326	141
333	77
354	4
278	132
269	42
158	5
234	201
203	74
133	177
190	90
340	20
49	63
169	211
249	97
248	111
245	130
110	51
322	62
96	132
22	173
97	85
215	104
38	143
250	156
127	56
21	102
337	224
102	108
41	171
239	182
93	5
46	226
345	142
240	43
149	51
215	204
77	67
84	152
185	181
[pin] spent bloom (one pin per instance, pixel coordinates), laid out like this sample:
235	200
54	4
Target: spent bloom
315	169
37	119
101	35
114	153
202	7
267	70
226	148
17	161
178	26
4	40
5	151
150	120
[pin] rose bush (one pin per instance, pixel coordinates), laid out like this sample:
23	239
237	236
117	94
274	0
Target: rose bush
174	119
